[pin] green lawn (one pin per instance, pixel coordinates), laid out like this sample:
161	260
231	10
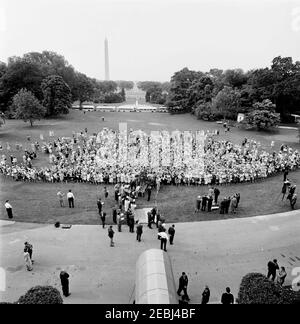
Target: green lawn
37	202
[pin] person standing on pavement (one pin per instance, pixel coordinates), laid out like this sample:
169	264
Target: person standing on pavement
171	232
183	283
139	232
64	279
205	295
227	297
111	235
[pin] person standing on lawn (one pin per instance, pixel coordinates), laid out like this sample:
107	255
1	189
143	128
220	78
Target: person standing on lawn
216	193
60	196
70	197
103	216
8	207
99	205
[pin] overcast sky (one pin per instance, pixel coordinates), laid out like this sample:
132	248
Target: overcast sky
151	39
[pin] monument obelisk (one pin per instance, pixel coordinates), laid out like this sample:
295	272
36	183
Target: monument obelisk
106	59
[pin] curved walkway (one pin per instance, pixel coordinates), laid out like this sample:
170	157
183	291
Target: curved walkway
217	253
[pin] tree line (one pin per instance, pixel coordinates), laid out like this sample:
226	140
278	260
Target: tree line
264	94
39	85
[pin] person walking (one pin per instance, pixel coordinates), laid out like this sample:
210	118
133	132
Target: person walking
103	216
171	232
227	297
205	295
272	268
8	207
149	218
183	283
64	279
139	232
60	196
70	197
27	259
111	235
281	276
29	248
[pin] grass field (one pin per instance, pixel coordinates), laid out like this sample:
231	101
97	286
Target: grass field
37	202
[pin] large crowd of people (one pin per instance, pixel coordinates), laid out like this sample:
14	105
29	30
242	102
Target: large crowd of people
84	158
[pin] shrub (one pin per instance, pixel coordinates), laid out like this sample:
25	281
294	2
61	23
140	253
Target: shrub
255	288
41	295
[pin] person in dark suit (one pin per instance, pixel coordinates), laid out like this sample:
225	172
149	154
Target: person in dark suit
238	198
198	204
64	279
272	267
216	193
227	297
183	283
103	216
149	191
209	203
114	214
149	217
205	295
204	203
222	206
171	232
139	232
227	204
293	201
131	222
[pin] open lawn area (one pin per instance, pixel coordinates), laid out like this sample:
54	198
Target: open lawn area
37	202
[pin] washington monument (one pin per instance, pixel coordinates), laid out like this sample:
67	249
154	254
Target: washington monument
106	59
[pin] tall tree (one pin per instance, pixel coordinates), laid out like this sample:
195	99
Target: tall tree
26	106
83	89
227	102
178	98
57	95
